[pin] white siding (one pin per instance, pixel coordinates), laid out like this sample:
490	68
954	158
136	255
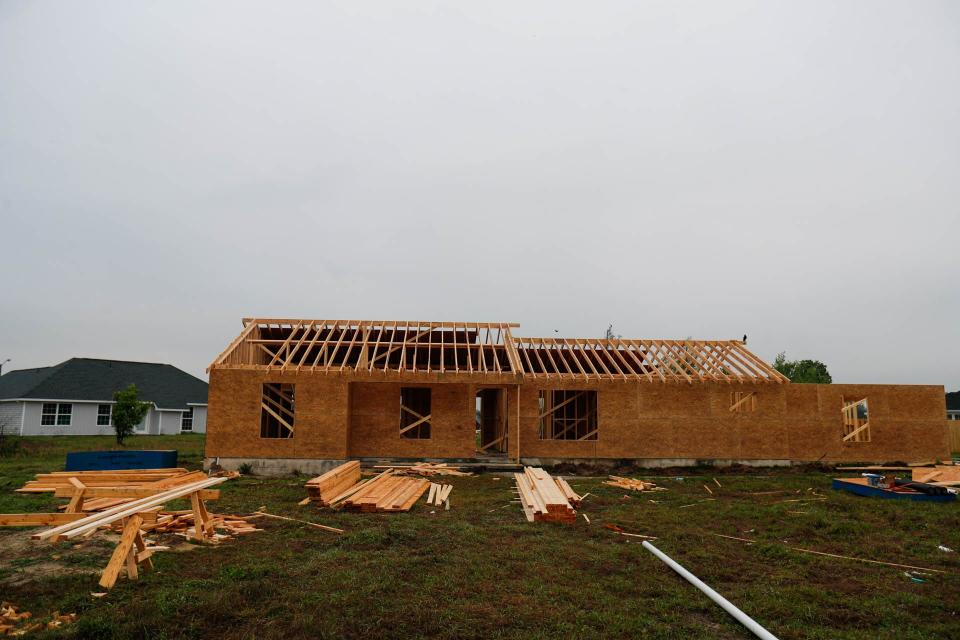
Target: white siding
170	422
11	414
199	419
83	421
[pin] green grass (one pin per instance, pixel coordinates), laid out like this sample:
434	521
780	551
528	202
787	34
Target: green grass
481	571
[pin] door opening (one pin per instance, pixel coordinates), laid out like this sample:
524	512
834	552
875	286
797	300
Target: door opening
491	422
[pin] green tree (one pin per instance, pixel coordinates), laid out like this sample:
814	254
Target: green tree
128	411
809	371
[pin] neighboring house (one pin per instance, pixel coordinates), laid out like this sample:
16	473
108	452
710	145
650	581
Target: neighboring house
75	397
953	405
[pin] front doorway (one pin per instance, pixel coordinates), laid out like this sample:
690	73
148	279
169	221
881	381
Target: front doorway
491	413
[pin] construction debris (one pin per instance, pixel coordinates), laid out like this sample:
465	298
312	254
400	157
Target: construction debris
426	469
840	557
322	527
545	498
438	493
11	621
131	503
633	484
620	531
10	618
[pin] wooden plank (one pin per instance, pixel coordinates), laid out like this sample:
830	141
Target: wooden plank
120	553
38	519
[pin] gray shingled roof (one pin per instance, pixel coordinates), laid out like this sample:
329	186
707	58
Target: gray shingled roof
92	379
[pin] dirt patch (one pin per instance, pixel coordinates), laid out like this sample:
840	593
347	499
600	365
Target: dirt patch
32	560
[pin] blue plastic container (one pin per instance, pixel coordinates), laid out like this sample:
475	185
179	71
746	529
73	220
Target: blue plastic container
107	460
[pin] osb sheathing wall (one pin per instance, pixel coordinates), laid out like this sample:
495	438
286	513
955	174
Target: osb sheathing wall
233	418
337	418
791	422
375	422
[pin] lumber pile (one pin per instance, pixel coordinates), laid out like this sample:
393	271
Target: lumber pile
386	492
51	482
632	484
941	474
545	498
389	491
323	489
438	494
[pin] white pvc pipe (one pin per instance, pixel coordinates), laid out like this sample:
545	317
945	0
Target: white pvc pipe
741	617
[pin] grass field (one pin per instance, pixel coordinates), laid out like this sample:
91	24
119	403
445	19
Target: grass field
481	571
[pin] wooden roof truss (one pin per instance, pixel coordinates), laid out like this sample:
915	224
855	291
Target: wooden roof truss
370	346
651	360
486	348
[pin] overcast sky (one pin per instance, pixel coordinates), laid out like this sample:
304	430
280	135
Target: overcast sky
789	170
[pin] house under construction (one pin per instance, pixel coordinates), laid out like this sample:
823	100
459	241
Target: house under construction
303	393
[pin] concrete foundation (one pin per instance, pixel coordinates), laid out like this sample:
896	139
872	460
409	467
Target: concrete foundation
287	466
274	466
657	463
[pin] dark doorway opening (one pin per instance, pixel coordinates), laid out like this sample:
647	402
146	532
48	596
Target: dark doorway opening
491	421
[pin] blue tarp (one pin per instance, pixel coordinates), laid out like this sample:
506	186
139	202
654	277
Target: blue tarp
107	460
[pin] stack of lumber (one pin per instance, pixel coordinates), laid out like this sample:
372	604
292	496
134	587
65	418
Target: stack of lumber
632	484
323	489
385	492
543	498
121	477
426	469
438	493
388	491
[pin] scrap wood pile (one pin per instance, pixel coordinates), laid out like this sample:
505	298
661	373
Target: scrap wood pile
632	484
426	469
545	498
439	494
386	492
129	501
15	623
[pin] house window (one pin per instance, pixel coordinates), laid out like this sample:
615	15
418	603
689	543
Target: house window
276	410
568	415
104	415
415	413
856	420
58	414
743	401
186	420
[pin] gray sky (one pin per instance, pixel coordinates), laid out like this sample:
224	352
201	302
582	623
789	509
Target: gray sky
790	170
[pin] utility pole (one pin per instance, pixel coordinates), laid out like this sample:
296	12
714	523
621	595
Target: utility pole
3	363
